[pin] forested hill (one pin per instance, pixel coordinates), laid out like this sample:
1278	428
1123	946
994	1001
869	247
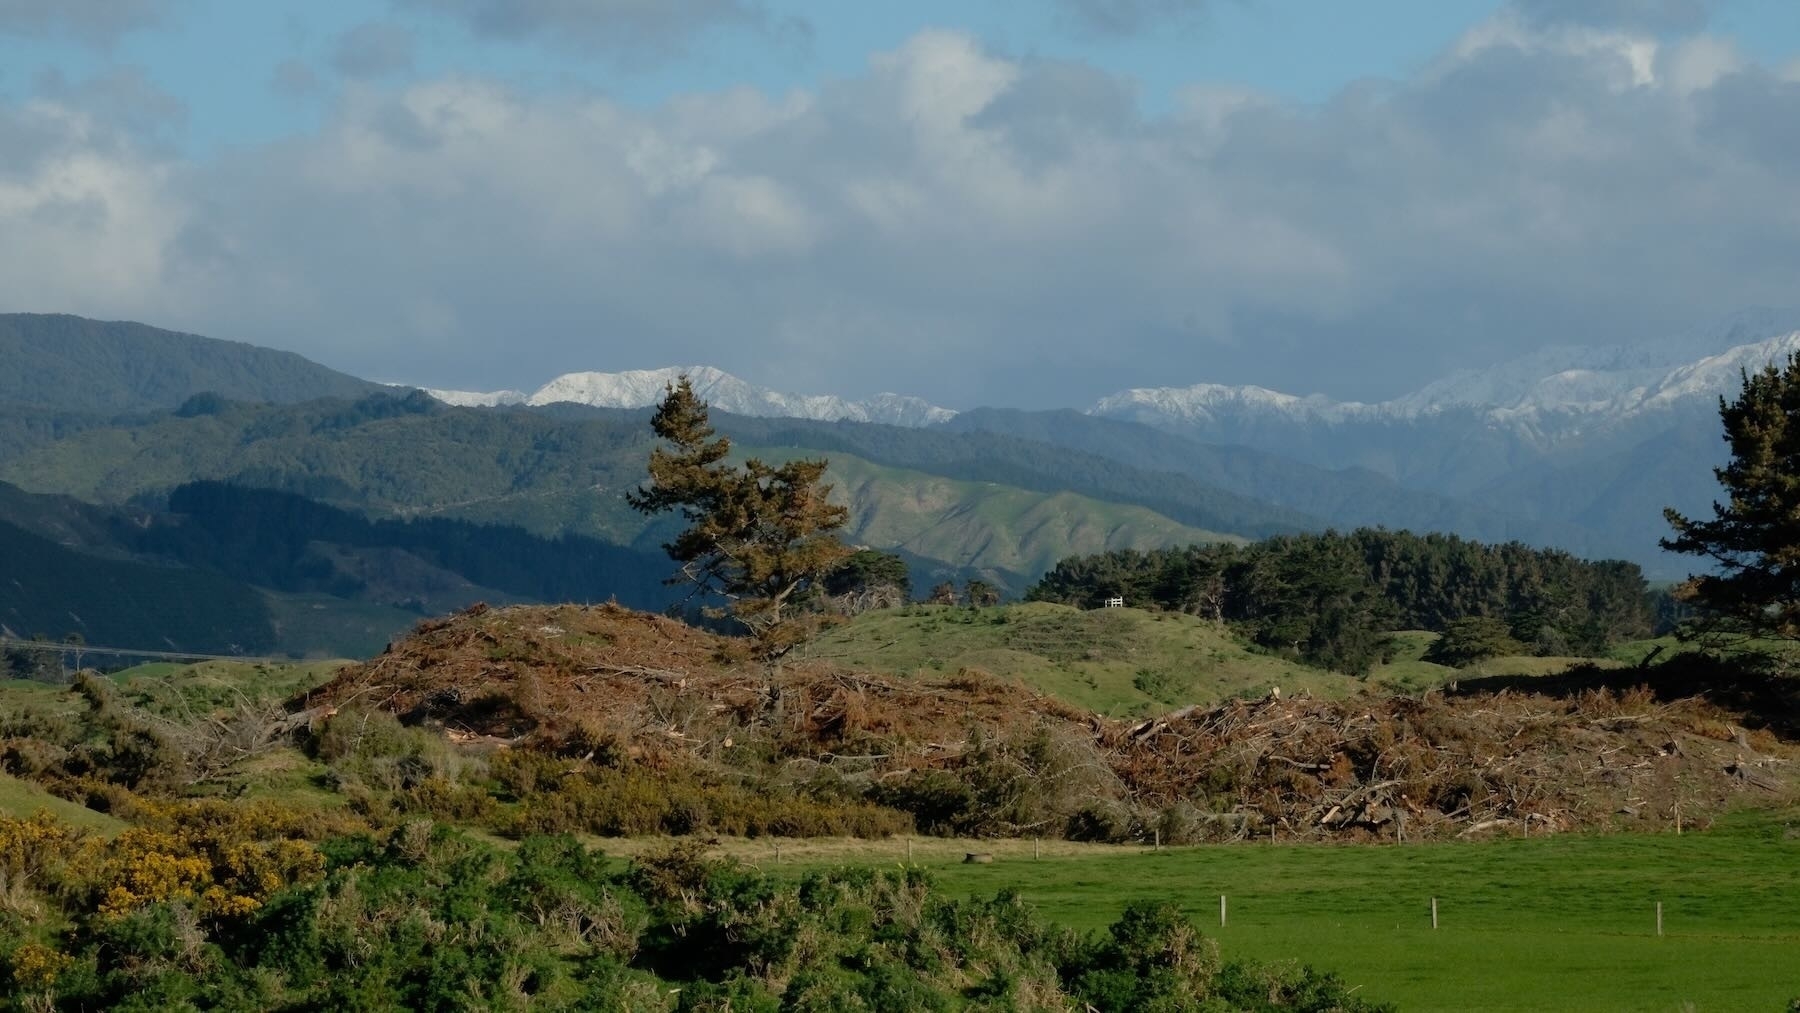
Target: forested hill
51	591
1332	598
552	472
280	540
72	364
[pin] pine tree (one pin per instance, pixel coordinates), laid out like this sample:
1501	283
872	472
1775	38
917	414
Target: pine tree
756	534
981	594
1753	539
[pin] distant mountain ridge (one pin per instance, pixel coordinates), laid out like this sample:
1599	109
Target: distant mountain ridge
1553	393
641	388
1576	447
72	364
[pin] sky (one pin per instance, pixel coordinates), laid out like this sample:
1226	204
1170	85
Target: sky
1020	203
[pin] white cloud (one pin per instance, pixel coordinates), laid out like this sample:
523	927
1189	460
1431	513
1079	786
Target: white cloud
952	222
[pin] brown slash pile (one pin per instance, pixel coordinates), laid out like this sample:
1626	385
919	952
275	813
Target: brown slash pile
606	684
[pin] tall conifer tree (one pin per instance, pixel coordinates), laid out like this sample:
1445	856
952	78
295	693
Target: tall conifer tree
1753	539
756	534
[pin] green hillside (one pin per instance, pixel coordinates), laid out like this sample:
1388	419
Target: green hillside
1102	471
54	591
1118	661
1126	661
1015	532
73	364
413	457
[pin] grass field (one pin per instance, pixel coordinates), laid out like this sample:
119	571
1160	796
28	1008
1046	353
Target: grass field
1122	661
1409	672
22	798
1560	923
1116	661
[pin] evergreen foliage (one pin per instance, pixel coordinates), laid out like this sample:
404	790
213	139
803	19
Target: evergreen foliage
867	579
1753	539
51	590
981	594
1331	598
755	534
1472	639
271	539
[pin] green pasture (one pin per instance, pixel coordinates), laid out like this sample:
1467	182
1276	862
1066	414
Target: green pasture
1117	661
1558	923
1125	661
20	799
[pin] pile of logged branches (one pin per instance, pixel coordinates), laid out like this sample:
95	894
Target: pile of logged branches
1381	767
609	685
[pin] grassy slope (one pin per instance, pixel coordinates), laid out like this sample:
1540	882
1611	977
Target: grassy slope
1003	527
181	691
22	798
1124	661
1409	672
1118	661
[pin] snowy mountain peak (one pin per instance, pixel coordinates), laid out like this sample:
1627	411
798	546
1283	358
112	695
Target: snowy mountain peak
641	388
1596	383
476	398
1204	402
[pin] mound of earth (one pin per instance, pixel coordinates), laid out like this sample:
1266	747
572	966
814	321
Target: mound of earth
650	689
611	686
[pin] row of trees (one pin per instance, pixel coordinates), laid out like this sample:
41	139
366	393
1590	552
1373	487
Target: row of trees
1333	598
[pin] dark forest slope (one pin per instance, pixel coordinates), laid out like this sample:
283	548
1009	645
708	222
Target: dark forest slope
73	364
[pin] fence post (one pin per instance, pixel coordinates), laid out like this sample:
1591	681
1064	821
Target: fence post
1434	912
1659	917
1221	910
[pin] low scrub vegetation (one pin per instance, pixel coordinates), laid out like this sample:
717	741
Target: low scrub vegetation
219	908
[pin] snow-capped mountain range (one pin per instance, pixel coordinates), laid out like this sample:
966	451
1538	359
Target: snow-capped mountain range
1575	386
642	388
1581	446
1551	393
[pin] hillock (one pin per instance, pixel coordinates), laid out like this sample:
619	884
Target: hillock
614	701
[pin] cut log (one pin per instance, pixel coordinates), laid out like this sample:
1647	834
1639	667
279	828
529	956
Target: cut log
1754	776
